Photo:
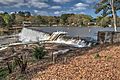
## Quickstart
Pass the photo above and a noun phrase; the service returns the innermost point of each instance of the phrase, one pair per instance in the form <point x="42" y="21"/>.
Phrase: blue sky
<point x="49" y="7"/>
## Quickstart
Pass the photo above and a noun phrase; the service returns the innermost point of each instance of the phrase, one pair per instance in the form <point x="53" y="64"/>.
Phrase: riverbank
<point x="99" y="62"/>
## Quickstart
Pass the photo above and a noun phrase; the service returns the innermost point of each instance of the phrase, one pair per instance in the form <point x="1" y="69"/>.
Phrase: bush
<point x="39" y="52"/>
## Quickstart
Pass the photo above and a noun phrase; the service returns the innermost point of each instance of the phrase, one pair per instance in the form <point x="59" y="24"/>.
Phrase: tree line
<point x="8" y="20"/>
<point x="80" y="20"/>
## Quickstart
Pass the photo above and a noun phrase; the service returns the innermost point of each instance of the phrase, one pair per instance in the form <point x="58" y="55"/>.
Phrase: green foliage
<point x="103" y="21"/>
<point x="2" y="22"/>
<point x="7" y="19"/>
<point x="64" y="18"/>
<point x="105" y="7"/>
<point x="39" y="52"/>
<point x="13" y="17"/>
<point x="78" y="20"/>
<point x="37" y="20"/>
<point x="3" y="73"/>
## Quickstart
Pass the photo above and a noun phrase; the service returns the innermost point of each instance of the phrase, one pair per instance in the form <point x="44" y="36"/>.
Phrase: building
<point x="26" y="23"/>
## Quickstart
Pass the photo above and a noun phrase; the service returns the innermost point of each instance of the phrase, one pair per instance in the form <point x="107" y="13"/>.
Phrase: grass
<point x="39" y="53"/>
<point x="3" y="73"/>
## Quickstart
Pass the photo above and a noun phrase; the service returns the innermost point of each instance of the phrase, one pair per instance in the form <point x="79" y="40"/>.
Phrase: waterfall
<point x="73" y="41"/>
<point x="28" y="35"/>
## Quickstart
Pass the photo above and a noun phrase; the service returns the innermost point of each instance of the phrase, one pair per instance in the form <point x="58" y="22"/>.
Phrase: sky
<point x="49" y="7"/>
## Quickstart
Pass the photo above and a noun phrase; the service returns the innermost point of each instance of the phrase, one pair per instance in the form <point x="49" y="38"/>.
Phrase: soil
<point x="100" y="62"/>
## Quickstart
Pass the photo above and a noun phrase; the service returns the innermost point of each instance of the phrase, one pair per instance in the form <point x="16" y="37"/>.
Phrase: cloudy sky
<point x="49" y="7"/>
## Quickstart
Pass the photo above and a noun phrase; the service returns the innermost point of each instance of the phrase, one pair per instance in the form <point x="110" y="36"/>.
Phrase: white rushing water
<point x="29" y="35"/>
<point x="88" y="36"/>
<point x="73" y="42"/>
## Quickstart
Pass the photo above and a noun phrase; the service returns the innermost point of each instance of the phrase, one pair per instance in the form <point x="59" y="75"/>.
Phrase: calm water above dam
<point x="75" y="31"/>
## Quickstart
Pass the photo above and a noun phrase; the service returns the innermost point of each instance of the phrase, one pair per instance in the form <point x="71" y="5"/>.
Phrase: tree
<point x="64" y="18"/>
<point x="56" y="20"/>
<point x="109" y="7"/>
<point x="7" y="19"/>
<point x="103" y="21"/>
<point x="13" y="17"/>
<point x="114" y="14"/>
<point x="79" y="20"/>
<point x="19" y="19"/>
<point x="27" y="14"/>
<point x="2" y="22"/>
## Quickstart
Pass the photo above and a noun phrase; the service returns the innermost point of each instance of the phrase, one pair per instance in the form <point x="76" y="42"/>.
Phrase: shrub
<point x="39" y="52"/>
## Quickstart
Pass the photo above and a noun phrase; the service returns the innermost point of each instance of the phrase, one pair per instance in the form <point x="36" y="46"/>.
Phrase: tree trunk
<point x="114" y="15"/>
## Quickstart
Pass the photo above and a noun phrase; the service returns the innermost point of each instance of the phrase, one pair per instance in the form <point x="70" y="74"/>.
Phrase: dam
<point x="76" y="36"/>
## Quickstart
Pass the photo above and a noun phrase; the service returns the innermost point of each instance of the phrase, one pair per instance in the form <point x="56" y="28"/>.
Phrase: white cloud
<point x="41" y="12"/>
<point x="55" y="7"/>
<point x="38" y="4"/>
<point x="20" y="4"/>
<point x="29" y="3"/>
<point x="61" y="1"/>
<point x="82" y="13"/>
<point x="12" y="12"/>
<point x="57" y="12"/>
<point x="80" y="6"/>
<point x="90" y="1"/>
<point x="1" y="11"/>
<point x="11" y="1"/>
<point x="36" y="11"/>
<point x="76" y="7"/>
<point x="63" y="12"/>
